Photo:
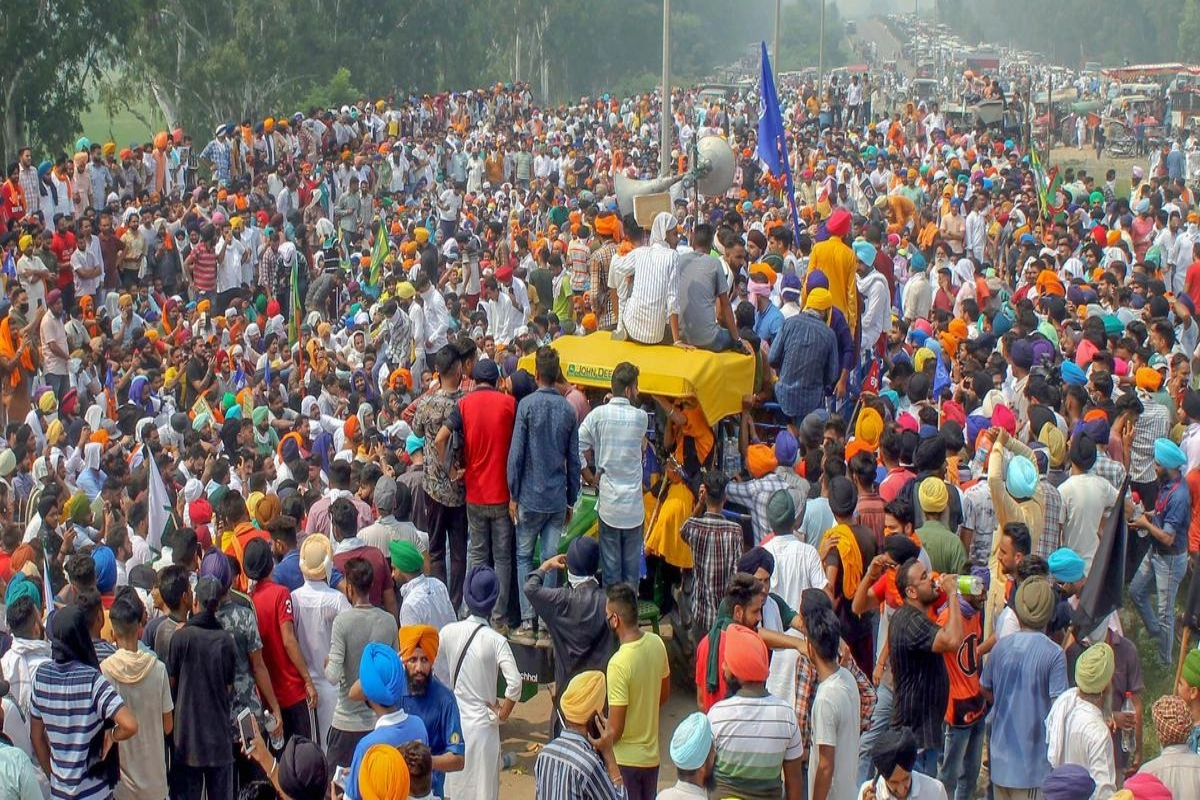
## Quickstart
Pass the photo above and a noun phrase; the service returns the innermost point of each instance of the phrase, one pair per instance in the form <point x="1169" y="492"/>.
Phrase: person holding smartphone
<point x="580" y="764"/>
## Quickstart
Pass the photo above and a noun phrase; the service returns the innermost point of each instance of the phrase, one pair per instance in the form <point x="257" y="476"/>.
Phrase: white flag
<point x="160" y="516"/>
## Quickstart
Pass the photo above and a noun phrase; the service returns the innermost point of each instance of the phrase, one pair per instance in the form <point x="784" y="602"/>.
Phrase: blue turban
<point x="1068" y="782"/>
<point x="1072" y="374"/>
<point x="106" y="569"/>
<point x="1066" y="566"/>
<point x="786" y="448"/>
<point x="1021" y="478"/>
<point x="216" y="565"/>
<point x="865" y="252"/>
<point x="1168" y="455"/>
<point x="20" y="586"/>
<point x="917" y="263"/>
<point x="1001" y="324"/>
<point x="480" y="590"/>
<point x="413" y="443"/>
<point x="381" y="675"/>
<point x="234" y="413"/>
<point x="692" y="742"/>
<point x="583" y="557"/>
<point x="918" y="336"/>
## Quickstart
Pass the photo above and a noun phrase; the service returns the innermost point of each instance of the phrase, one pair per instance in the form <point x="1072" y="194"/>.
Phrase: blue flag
<point x="772" y="142"/>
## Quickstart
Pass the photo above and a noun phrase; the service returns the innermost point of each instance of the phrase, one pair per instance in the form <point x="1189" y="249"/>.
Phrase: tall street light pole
<point x="667" y="122"/>
<point x="821" y="53"/>
<point x="775" y="52"/>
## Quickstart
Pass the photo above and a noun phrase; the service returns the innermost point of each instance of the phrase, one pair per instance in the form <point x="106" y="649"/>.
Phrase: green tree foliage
<point x="1073" y="31"/>
<point x="232" y="60"/>
<point x="49" y="51"/>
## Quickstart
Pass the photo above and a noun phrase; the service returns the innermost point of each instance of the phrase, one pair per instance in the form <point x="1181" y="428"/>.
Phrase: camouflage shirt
<point x="432" y="412"/>
<point x="237" y="616"/>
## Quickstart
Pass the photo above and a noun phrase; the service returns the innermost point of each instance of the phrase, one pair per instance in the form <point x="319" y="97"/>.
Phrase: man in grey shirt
<point x="353" y="630"/>
<point x="704" y="297"/>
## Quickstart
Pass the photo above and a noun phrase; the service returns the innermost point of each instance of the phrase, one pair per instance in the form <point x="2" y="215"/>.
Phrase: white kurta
<point x="314" y="607"/>
<point x="474" y="688"/>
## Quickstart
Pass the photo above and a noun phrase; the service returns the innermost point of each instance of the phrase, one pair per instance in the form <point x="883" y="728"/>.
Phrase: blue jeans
<point x="620" y="555"/>
<point x="963" y="753"/>
<point x="722" y="342"/>
<point x="881" y="719"/>
<point x="531" y="526"/>
<point x="927" y="761"/>
<point x="1166" y="573"/>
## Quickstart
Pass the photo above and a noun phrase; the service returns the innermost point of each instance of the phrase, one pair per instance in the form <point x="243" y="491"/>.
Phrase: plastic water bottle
<point x="274" y="731"/>
<point x="970" y="584"/>
<point x="1128" y="740"/>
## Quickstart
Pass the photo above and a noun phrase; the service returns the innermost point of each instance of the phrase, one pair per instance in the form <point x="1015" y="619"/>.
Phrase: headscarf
<point x="382" y="774"/>
<point x="584" y="697"/>
<point x="692" y="742"/>
<point x="841" y="538"/>
<point x="664" y="223"/>
<point x="481" y="590"/>
<point x="746" y="654"/>
<point x="1172" y="719"/>
<point x="70" y="639"/>
<point x="422" y="636"/>
<point x="381" y="675"/>
<point x="1094" y="668"/>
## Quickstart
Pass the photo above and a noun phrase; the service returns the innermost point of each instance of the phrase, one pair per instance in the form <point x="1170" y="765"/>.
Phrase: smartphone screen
<point x="246" y="729"/>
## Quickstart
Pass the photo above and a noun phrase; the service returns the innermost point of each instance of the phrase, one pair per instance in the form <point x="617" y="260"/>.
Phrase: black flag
<point x="1102" y="592"/>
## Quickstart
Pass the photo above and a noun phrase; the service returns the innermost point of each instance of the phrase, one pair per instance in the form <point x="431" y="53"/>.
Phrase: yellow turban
<point x="422" y="235"/>
<point x="54" y="433"/>
<point x="933" y="495"/>
<point x="382" y="773"/>
<point x="1094" y="669"/>
<point x="584" y="697"/>
<point x="869" y="427"/>
<point x="422" y="636"/>
<point x="78" y="509"/>
<point x="252" y="502"/>
<point x="25" y="242"/>
<point x="47" y="403"/>
<point x="108" y="148"/>
<point x="1055" y="442"/>
<point x="125" y="301"/>
<point x="203" y="306"/>
<point x="267" y="510"/>
<point x="819" y="299"/>
<point x="921" y="357"/>
<point x="315" y="556"/>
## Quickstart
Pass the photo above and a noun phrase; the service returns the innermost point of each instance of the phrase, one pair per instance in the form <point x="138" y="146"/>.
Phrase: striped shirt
<point x="1153" y="423"/>
<point x="204" y="268"/>
<point x="805" y="355"/>
<point x="569" y="768"/>
<point x="615" y="433"/>
<point x="598" y="268"/>
<point x="73" y="700"/>
<point x="716" y="546"/>
<point x="654" y="297"/>
<point x="754" y="736"/>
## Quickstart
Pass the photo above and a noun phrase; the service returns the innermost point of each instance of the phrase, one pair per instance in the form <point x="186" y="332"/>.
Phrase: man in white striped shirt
<point x="654" y="299"/>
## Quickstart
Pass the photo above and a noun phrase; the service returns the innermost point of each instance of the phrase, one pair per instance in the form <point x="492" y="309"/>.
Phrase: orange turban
<point x="1049" y="283"/>
<point x="608" y="225"/>
<point x="760" y="460"/>
<point x="1147" y="379"/>
<point x="382" y="773"/>
<point x="746" y="654"/>
<point x="869" y="428"/>
<point x="422" y="636"/>
<point x="268" y="509"/>
<point x="1094" y="414"/>
<point x="21" y="556"/>
<point x="958" y="327"/>
<point x="100" y="437"/>
<point x="351" y="427"/>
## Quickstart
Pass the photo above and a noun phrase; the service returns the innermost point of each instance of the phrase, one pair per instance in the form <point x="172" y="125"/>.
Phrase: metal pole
<point x="821" y="53"/>
<point x="775" y="52"/>
<point x="667" y="122"/>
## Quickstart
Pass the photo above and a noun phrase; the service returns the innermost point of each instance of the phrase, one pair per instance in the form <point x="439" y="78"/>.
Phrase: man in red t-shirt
<point x="1191" y="280"/>
<point x="484" y="420"/>
<point x="281" y="652"/>
<point x="63" y="247"/>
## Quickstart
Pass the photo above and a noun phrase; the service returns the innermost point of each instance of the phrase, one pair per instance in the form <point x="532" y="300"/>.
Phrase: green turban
<point x="406" y="557"/>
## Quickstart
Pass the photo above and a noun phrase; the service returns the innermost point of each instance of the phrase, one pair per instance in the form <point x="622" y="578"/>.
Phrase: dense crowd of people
<point x="293" y="467"/>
